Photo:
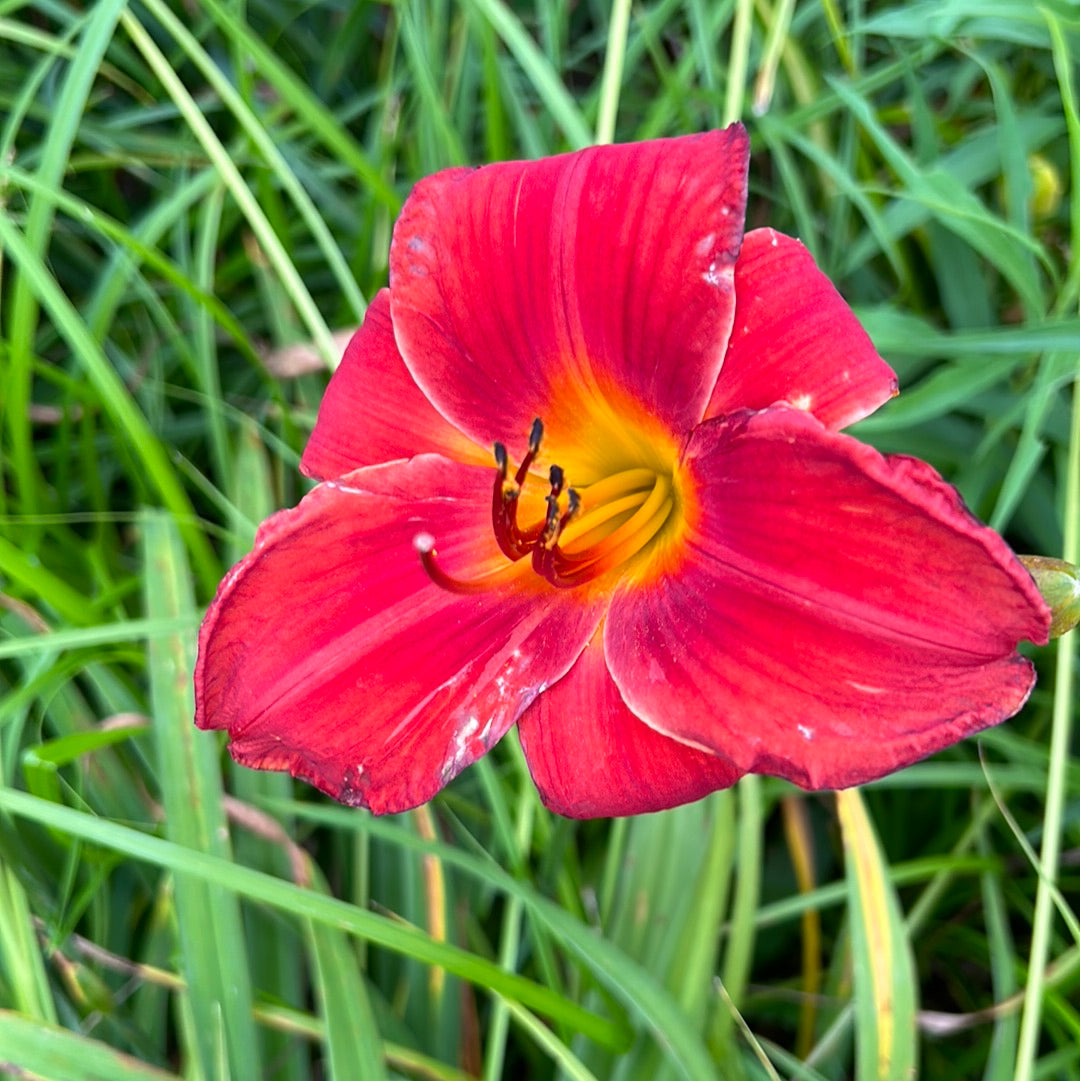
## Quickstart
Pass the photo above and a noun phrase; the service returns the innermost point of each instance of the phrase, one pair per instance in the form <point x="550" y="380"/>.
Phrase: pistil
<point x="584" y="534"/>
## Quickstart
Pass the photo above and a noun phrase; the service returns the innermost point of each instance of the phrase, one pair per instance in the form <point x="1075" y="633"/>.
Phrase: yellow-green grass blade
<point x="320" y="121"/>
<point x="350" y="1034"/>
<point x="40" y="1050"/>
<point x="375" y="929"/>
<point x="21" y="965"/>
<point x="1060" y="737"/>
<point x="58" y="141"/>
<point x="264" y="141"/>
<point x="115" y="398"/>
<point x="213" y="953"/>
<point x="886" y="1035"/>
<point x="269" y="241"/>
<point x="537" y="68"/>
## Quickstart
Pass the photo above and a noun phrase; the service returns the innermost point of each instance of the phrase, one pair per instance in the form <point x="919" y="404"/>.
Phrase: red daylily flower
<point x="685" y="573"/>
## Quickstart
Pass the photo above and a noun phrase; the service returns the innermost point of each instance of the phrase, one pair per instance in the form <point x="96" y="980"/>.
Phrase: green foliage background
<point x="186" y="189"/>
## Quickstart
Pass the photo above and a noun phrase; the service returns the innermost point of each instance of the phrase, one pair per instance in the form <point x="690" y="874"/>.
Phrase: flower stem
<point x="1028" y="1044"/>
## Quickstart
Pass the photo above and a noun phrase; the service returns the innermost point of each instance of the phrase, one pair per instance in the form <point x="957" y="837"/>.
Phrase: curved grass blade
<point x="287" y="897"/>
<point x="885" y="983"/>
<point x="45" y="1051"/>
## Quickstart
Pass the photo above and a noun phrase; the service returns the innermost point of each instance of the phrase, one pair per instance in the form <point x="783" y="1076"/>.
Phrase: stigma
<point x="584" y="534"/>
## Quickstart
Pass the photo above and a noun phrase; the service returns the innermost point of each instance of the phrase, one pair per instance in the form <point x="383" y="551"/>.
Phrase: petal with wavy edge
<point x="835" y="616"/>
<point x="527" y="289"/>
<point x="329" y="653"/>
<point x="591" y="757"/>
<point x="374" y="412"/>
<point x="795" y="340"/>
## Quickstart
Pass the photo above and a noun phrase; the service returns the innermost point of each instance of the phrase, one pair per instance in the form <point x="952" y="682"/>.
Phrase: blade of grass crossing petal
<point x="115" y="398"/>
<point x="376" y="929"/>
<point x="44" y="1051"/>
<point x="64" y="119"/>
<point x="884" y="974"/>
<point x="350" y="1035"/>
<point x="213" y="955"/>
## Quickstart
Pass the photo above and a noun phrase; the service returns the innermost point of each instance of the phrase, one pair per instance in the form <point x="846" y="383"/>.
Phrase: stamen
<point x="514" y="542"/>
<point x="536" y="433"/>
<point x="424" y="543"/>
<point x="658" y="497"/>
<point x="589" y="533"/>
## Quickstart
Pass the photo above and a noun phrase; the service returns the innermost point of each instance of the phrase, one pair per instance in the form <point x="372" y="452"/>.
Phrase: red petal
<point x="519" y="286"/>
<point x="795" y="340"/>
<point x="373" y="411"/>
<point x="836" y="615"/>
<point x="591" y="757"/>
<point x="328" y="652"/>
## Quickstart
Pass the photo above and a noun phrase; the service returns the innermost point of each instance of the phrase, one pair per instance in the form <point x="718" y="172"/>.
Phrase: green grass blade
<point x="885" y="984"/>
<point x="329" y="911"/>
<point x="116" y="400"/>
<point x="350" y="1034"/>
<point x="550" y="89"/>
<point x="45" y="1051"/>
<point x="213" y="958"/>
<point x="100" y="24"/>
<point x="271" y="244"/>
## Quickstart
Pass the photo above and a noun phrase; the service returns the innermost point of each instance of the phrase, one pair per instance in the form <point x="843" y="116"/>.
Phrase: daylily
<point x="581" y="471"/>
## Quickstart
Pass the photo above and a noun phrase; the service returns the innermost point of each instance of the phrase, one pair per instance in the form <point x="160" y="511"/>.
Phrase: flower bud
<point x="1059" y="584"/>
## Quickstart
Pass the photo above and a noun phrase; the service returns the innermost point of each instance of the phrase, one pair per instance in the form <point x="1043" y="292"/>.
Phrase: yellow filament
<point x="618" y="484"/>
<point x="634" y="533"/>
<point x="645" y="533"/>
<point x="579" y="533"/>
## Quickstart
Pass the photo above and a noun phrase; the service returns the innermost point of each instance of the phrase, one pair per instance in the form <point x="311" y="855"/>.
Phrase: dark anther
<point x="557" y="479"/>
<point x="573" y="503"/>
<point x="501" y="460"/>
<point x="550" y="533"/>
<point x="536" y="433"/>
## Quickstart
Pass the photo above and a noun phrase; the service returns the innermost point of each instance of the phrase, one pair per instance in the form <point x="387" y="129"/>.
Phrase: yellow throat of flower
<point x="611" y="506"/>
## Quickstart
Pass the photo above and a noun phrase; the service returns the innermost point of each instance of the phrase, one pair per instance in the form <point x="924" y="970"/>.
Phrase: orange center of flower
<point x="620" y="520"/>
